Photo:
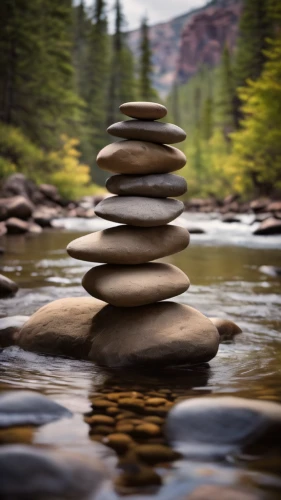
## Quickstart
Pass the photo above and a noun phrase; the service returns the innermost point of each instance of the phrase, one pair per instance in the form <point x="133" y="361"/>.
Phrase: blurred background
<point x="66" y="67"/>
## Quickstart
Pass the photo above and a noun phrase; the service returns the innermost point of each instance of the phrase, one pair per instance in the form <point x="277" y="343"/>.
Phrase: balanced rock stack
<point x="136" y="327"/>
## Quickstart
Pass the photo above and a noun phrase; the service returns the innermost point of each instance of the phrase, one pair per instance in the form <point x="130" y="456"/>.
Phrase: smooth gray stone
<point x="222" y="425"/>
<point x="29" y="472"/>
<point x="161" y="133"/>
<point x="154" y="186"/>
<point x="143" y="110"/>
<point x="129" y="245"/>
<point x="8" y="288"/>
<point x="139" y="211"/>
<point x="29" y="408"/>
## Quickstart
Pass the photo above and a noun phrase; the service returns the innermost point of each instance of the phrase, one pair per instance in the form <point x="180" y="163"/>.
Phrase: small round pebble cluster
<point x="131" y="423"/>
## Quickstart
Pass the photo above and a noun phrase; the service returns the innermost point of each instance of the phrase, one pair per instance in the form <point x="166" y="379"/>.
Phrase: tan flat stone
<point x="143" y="110"/>
<point x="141" y="130"/>
<point x="154" y="186"/>
<point x="140" y="157"/>
<point x="160" y="334"/>
<point x="139" y="210"/>
<point x="130" y="286"/>
<point x="129" y="245"/>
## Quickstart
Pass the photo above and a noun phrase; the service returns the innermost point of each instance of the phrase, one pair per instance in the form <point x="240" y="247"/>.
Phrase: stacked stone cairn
<point x="136" y="327"/>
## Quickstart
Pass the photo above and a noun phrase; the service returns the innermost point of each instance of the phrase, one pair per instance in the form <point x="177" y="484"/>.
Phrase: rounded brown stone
<point x="96" y="419"/>
<point x="154" y="186"/>
<point x="139" y="211"/>
<point x="129" y="245"/>
<point x="140" y="130"/>
<point x="147" y="429"/>
<point x="62" y="327"/>
<point x="161" y="334"/>
<point x="119" y="442"/>
<point x="156" y="453"/>
<point x="130" y="286"/>
<point x="140" y="158"/>
<point x="226" y="328"/>
<point x="143" y="110"/>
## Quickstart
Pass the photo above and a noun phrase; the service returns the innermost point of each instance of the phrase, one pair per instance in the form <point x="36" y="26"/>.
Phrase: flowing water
<point x="223" y="267"/>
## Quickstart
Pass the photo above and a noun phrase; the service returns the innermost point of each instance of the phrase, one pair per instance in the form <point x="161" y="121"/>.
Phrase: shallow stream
<point x="223" y="267"/>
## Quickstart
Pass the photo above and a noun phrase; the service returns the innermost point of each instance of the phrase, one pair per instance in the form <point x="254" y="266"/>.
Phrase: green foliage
<point x="256" y="156"/>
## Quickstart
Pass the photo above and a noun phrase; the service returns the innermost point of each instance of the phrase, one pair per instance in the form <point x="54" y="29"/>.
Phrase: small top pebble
<point x="143" y="110"/>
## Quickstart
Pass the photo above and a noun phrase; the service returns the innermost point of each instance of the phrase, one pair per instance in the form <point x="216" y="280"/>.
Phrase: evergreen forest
<point x="63" y="77"/>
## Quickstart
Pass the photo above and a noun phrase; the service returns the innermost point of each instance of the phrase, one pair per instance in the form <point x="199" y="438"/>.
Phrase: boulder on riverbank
<point x="269" y="226"/>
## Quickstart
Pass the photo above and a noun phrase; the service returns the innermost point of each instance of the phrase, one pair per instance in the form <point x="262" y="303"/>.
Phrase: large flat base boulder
<point x="63" y="327"/>
<point x="161" y="334"/>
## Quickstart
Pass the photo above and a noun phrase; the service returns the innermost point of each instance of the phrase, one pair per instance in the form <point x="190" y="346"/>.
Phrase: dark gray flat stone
<point x="155" y="186"/>
<point x="139" y="211"/>
<point x="162" y="133"/>
<point x="143" y="110"/>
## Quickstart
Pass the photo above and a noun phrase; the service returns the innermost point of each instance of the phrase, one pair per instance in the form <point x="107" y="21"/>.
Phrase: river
<point x="223" y="267"/>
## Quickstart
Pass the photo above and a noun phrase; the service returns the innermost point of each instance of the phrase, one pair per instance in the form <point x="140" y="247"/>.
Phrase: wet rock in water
<point x="226" y="328"/>
<point x="16" y="226"/>
<point x="3" y="229"/>
<point x="33" y="473"/>
<point x="143" y="110"/>
<point x="130" y="286"/>
<point x="221" y="425"/>
<point x="161" y="133"/>
<point x="230" y="218"/>
<point x="156" y="453"/>
<point x="29" y="408"/>
<point x="17" y="206"/>
<point x="8" y="288"/>
<point x="129" y="245"/>
<point x="218" y="492"/>
<point x="140" y="158"/>
<point x="273" y="271"/>
<point x="196" y="230"/>
<point x="137" y="475"/>
<point x="50" y="192"/>
<point x="139" y="211"/>
<point x="259" y="205"/>
<point x="274" y="206"/>
<point x="34" y="228"/>
<point x="155" y="186"/>
<point x="9" y="329"/>
<point x="44" y="216"/>
<point x="158" y="334"/>
<point x="268" y="227"/>
<point x="62" y="327"/>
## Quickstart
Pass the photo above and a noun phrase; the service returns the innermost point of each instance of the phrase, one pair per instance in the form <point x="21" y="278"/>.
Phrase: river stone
<point x="140" y="130"/>
<point x="138" y="157"/>
<point x="226" y="328"/>
<point x="161" y="334"/>
<point x="143" y="110"/>
<point x="129" y="245"/>
<point x="221" y="425"/>
<point x="139" y="211"/>
<point x="8" y="288"/>
<point x="155" y="186"/>
<point x="269" y="226"/>
<point x="33" y="473"/>
<point x="61" y="328"/>
<point x="9" y="328"/>
<point x="29" y="408"/>
<point x="129" y="286"/>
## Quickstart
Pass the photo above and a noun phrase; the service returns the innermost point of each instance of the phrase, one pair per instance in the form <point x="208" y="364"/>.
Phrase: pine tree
<point x="254" y="29"/>
<point x="81" y="27"/>
<point x="122" y="81"/>
<point x="146" y="91"/>
<point x="36" y="82"/>
<point x="97" y="70"/>
<point x="226" y="110"/>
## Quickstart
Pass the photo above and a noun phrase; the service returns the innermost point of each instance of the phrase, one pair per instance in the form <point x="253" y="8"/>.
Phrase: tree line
<point x="62" y="79"/>
<point x="232" y="114"/>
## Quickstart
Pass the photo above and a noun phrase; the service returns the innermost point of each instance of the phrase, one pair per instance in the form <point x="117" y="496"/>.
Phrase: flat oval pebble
<point x="141" y="130"/>
<point x="139" y="211"/>
<point x="161" y="334"/>
<point x="143" y="110"/>
<point x="140" y="157"/>
<point x="130" y="286"/>
<point x="155" y="186"/>
<point x="129" y="245"/>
